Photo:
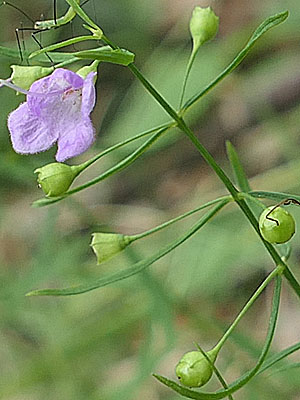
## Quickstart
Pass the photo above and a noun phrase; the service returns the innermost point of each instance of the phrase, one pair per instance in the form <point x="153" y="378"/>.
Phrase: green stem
<point x="67" y="62"/>
<point x="118" y="167"/>
<point x="150" y="88"/>
<point x="244" y="195"/>
<point x="242" y="204"/>
<point x="92" y="160"/>
<point x="211" y="161"/>
<point x="216" y="370"/>
<point x="278" y="270"/>
<point x="79" y="11"/>
<point x="122" y="164"/>
<point x="154" y="92"/>
<point x="180" y="217"/>
<point x="65" y="43"/>
<point x="134" y="269"/>
<point x="186" y="76"/>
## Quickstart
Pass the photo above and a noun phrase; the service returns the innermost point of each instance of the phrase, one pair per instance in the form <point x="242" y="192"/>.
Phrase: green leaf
<point x="278" y="357"/>
<point x="286" y="368"/>
<point x="11" y="53"/>
<point x="263" y="28"/>
<point x="239" y="383"/>
<point x="103" y="53"/>
<point x="116" y="168"/>
<point x="15" y="55"/>
<point x="107" y="54"/>
<point x="134" y="269"/>
<point x="276" y="196"/>
<point x="237" y="168"/>
<point x="59" y="45"/>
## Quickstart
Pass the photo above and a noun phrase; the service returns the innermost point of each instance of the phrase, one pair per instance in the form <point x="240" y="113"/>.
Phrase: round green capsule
<point x="277" y="226"/>
<point x="194" y="370"/>
<point x="56" y="178"/>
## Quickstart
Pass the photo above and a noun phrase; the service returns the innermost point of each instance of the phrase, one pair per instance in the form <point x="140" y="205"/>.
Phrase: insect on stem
<point x="285" y="202"/>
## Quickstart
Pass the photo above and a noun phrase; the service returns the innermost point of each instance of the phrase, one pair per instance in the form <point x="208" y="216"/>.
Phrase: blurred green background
<point x="104" y="345"/>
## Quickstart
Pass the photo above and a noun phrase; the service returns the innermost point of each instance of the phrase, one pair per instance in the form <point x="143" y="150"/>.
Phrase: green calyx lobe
<point x="56" y="178"/>
<point x="25" y="76"/>
<point x="276" y="232"/>
<point x="106" y="245"/>
<point x="204" y="25"/>
<point x="194" y="370"/>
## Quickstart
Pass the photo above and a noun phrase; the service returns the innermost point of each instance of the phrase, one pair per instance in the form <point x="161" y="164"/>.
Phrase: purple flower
<point x="58" y="110"/>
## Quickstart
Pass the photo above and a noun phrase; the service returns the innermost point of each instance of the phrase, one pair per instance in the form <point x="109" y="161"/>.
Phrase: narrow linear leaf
<point x="12" y="53"/>
<point x="276" y="196"/>
<point x="59" y="45"/>
<point x="107" y="54"/>
<point x="134" y="269"/>
<point x="237" y="168"/>
<point x="239" y="383"/>
<point x="278" y="357"/>
<point x="263" y="28"/>
<point x="285" y="368"/>
<point x="15" y="55"/>
<point x="116" y="168"/>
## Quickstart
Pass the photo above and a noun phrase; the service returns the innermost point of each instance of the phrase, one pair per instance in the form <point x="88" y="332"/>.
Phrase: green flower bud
<point x="106" y="245"/>
<point x="278" y="227"/>
<point x="24" y="77"/>
<point x="194" y="370"/>
<point x="84" y="71"/>
<point x="56" y="178"/>
<point x="203" y="26"/>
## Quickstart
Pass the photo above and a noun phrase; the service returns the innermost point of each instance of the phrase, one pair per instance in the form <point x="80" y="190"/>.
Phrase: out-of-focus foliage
<point x="105" y="344"/>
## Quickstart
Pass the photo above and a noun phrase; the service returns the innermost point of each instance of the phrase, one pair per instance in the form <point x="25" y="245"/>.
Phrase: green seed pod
<point x="56" y="178"/>
<point x="194" y="370"/>
<point x="24" y="77"/>
<point x="106" y="245"/>
<point x="278" y="226"/>
<point x="204" y="25"/>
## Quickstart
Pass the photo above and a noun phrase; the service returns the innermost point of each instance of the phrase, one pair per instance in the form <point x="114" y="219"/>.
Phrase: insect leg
<point x="19" y="44"/>
<point x="7" y="3"/>
<point x="39" y="43"/>
<point x="55" y="11"/>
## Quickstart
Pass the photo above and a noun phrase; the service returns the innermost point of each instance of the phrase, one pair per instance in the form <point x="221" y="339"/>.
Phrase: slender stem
<point x="63" y="44"/>
<point x="154" y="92"/>
<point x="134" y="269"/>
<point x="244" y="195"/>
<point x="276" y="196"/>
<point x="180" y="217"/>
<point x="243" y="205"/>
<point x="92" y="160"/>
<point x="67" y="62"/>
<point x="150" y="88"/>
<point x="121" y="165"/>
<point x="216" y="370"/>
<point x="186" y="76"/>
<point x="211" y="161"/>
<point x="82" y="14"/>
<point x="278" y="270"/>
